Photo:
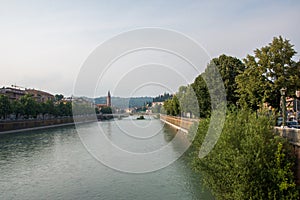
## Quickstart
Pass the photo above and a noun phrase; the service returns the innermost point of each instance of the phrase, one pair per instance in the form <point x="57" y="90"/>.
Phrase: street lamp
<point x="283" y="105"/>
<point x="297" y="96"/>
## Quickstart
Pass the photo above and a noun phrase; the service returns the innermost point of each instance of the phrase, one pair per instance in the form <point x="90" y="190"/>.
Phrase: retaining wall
<point x="183" y="123"/>
<point x="24" y="124"/>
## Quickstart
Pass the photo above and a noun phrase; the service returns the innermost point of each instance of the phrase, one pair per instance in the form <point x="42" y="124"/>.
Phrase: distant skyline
<point x="43" y="44"/>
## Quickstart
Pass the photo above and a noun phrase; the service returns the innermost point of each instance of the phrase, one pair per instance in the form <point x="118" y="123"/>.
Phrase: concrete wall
<point x="184" y="123"/>
<point x="15" y="125"/>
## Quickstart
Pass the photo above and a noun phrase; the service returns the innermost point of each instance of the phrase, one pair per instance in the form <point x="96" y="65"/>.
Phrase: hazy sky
<point x="43" y="44"/>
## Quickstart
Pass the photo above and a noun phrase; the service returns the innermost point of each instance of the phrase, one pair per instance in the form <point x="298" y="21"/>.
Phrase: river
<point x="54" y="164"/>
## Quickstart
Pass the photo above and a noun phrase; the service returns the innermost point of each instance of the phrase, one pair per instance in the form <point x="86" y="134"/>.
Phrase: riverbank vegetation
<point x="248" y="161"/>
<point x="27" y="107"/>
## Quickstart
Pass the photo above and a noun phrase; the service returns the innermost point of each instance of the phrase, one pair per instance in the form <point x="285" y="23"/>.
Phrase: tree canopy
<point x="28" y="107"/>
<point x="5" y="106"/>
<point x="221" y="75"/>
<point x="270" y="69"/>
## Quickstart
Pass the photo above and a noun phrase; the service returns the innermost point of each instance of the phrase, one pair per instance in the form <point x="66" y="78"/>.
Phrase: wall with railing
<point x="184" y="123"/>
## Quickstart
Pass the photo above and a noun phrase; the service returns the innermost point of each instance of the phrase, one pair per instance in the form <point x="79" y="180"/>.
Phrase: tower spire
<point x="108" y="99"/>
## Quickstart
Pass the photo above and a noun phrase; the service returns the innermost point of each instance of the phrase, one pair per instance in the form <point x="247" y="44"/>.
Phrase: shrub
<point x="248" y="161"/>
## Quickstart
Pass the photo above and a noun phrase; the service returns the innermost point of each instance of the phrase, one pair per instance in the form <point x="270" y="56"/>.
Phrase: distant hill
<point x="121" y="102"/>
<point x="163" y="97"/>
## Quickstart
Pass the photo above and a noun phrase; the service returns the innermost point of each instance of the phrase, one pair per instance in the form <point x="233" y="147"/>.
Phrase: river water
<point x="54" y="164"/>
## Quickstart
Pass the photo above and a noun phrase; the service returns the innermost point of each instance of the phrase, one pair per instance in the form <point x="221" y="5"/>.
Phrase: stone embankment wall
<point x="179" y="122"/>
<point x="8" y="126"/>
<point x="24" y="124"/>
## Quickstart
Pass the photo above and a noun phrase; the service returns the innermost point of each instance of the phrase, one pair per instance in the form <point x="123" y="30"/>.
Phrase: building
<point x="157" y="104"/>
<point x="40" y="96"/>
<point x="66" y="100"/>
<point x="12" y="93"/>
<point x="15" y="93"/>
<point x="108" y="102"/>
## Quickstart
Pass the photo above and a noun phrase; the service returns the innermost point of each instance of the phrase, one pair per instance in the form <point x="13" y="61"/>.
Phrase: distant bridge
<point x="122" y="115"/>
<point x="144" y="113"/>
<point x="110" y="116"/>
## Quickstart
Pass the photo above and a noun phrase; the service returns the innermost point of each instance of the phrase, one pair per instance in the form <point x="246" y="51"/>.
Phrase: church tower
<point x="108" y="99"/>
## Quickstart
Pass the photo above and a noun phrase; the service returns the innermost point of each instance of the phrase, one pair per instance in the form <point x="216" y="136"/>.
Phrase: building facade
<point x="40" y="96"/>
<point x="12" y="93"/>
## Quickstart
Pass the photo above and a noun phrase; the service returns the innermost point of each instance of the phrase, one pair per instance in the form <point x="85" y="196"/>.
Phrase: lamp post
<point x="283" y="105"/>
<point x="297" y="96"/>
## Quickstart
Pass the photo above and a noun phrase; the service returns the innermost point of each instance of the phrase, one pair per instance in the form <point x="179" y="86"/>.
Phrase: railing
<point x="292" y="134"/>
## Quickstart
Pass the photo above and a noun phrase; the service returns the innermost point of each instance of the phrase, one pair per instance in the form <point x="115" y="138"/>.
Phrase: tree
<point x="229" y="68"/>
<point x="29" y="105"/>
<point x="106" y="110"/>
<point x="61" y="110"/>
<point x="218" y="78"/>
<point x="176" y="106"/>
<point x="50" y="108"/>
<point x="68" y="106"/>
<point x="189" y="102"/>
<point x="59" y="97"/>
<point x="203" y="97"/>
<point x="181" y="91"/>
<point x="168" y="106"/>
<point x="17" y="108"/>
<point x="270" y="69"/>
<point x="253" y="87"/>
<point x="5" y="106"/>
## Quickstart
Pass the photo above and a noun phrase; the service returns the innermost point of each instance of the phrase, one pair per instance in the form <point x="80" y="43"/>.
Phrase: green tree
<point x="17" y="108"/>
<point x="168" y="107"/>
<point x="106" y="110"/>
<point x="189" y="102"/>
<point x="43" y="109"/>
<point x="64" y="109"/>
<point x="50" y="107"/>
<point x="58" y="97"/>
<point x="218" y="78"/>
<point x="229" y="68"/>
<point x="68" y="109"/>
<point x="203" y="97"/>
<point x="181" y="91"/>
<point x="29" y="105"/>
<point x="61" y="109"/>
<point x="176" y="106"/>
<point x="270" y="69"/>
<point x="5" y="106"/>
<point x="253" y="86"/>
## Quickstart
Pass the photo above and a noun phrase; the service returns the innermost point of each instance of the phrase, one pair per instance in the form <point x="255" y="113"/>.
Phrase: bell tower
<point x="108" y="99"/>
